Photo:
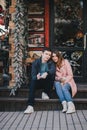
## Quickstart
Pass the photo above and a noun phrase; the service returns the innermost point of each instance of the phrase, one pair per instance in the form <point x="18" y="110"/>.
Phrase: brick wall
<point x="11" y="42"/>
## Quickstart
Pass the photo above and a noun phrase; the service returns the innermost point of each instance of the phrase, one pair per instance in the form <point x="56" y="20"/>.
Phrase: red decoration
<point x="47" y="23"/>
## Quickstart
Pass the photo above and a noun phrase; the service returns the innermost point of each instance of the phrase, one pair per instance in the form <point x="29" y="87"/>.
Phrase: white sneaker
<point x="29" y="110"/>
<point x="64" y="104"/>
<point x="44" y="96"/>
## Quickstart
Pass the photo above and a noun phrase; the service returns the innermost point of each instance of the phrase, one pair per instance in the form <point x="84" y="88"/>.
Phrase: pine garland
<point x="20" y="42"/>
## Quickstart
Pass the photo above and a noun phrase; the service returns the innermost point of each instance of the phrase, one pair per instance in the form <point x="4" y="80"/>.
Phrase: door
<point x="68" y="33"/>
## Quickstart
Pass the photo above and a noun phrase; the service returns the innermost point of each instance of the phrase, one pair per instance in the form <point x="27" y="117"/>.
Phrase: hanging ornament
<point x="20" y="46"/>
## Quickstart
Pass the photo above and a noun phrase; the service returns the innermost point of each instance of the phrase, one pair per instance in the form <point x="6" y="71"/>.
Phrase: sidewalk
<point x="43" y="120"/>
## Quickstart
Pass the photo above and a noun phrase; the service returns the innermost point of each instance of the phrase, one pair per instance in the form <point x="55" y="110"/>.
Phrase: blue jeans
<point x="63" y="92"/>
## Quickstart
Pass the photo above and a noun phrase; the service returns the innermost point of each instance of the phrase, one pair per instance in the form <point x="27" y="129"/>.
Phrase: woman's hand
<point x="63" y="79"/>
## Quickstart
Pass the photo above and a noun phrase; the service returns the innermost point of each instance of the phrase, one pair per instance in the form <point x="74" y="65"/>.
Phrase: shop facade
<point x="35" y="24"/>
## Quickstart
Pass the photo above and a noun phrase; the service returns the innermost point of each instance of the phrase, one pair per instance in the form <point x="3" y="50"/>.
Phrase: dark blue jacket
<point x="36" y="69"/>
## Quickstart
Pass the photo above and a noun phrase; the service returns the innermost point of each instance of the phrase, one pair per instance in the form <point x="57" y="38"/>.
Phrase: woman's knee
<point x="66" y="88"/>
<point x="57" y="84"/>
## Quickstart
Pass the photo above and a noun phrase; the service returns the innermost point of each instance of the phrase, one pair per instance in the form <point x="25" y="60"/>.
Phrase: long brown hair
<point x="60" y="58"/>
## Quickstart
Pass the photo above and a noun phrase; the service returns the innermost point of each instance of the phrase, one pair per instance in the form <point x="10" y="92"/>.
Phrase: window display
<point x="38" y="24"/>
<point x="68" y="21"/>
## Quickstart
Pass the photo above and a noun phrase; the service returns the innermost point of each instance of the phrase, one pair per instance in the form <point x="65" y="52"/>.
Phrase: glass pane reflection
<point x="68" y="23"/>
